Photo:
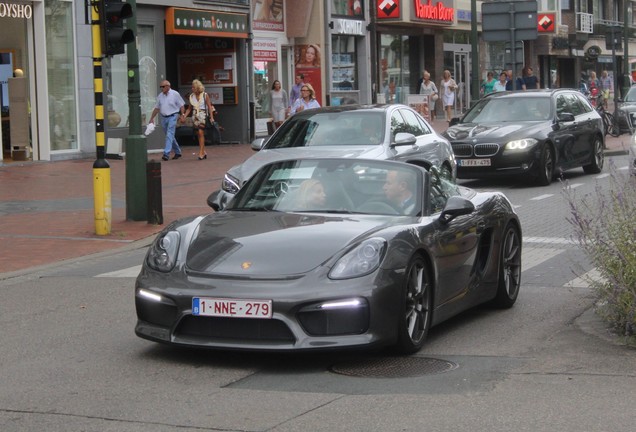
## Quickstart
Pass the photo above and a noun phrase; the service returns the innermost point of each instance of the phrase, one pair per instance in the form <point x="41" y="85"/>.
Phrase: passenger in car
<point x="311" y="195"/>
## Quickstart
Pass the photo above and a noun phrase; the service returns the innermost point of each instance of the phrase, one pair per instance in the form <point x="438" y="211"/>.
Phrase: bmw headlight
<point x="162" y="255"/>
<point x="230" y="184"/>
<point x="361" y="260"/>
<point x="522" y="144"/>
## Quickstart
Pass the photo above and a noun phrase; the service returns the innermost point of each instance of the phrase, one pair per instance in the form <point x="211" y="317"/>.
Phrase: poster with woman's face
<point x="268" y="15"/>
<point x="350" y="8"/>
<point x="307" y="56"/>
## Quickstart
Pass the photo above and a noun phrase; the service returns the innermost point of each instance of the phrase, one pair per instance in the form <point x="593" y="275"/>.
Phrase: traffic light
<point x="112" y="14"/>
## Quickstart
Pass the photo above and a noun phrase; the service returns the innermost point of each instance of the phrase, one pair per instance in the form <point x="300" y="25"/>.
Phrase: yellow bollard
<point x="102" y="198"/>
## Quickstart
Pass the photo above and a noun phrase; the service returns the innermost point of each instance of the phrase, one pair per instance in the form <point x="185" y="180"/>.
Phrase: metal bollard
<point x="153" y="181"/>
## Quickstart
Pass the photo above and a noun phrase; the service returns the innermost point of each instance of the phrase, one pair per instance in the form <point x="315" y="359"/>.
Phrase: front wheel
<point x="417" y="297"/>
<point x="509" y="267"/>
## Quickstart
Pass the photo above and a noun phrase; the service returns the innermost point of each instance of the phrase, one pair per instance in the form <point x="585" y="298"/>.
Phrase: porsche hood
<point x="256" y="244"/>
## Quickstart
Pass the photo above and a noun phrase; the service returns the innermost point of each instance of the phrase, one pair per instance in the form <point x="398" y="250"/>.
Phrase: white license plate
<point x="234" y="308"/>
<point x="473" y="162"/>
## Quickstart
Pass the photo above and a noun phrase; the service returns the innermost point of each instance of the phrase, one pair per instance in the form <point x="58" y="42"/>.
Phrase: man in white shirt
<point x="170" y="107"/>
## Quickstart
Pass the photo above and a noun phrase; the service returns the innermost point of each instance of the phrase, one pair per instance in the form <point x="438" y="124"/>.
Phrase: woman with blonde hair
<point x="307" y="99"/>
<point x="448" y="86"/>
<point x="201" y="108"/>
<point x="311" y="195"/>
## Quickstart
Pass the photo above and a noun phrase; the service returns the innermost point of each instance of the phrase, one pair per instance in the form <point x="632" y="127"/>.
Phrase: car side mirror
<point x="566" y="117"/>
<point x="258" y="143"/>
<point x="404" y="138"/>
<point x="456" y="206"/>
<point x="453" y="122"/>
<point x="213" y="200"/>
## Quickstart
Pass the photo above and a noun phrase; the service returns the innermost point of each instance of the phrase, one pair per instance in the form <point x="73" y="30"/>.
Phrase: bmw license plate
<point x="233" y="308"/>
<point x="473" y="162"/>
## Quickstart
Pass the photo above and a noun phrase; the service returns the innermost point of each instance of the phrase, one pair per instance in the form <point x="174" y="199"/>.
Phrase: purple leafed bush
<point x="605" y="226"/>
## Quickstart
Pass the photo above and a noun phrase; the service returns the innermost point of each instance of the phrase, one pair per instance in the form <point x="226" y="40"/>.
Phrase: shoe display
<point x="176" y="156"/>
<point x="165" y="157"/>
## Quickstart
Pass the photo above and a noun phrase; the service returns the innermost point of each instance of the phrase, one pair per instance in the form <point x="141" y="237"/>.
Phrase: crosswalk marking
<point x="582" y="281"/>
<point x="131" y="272"/>
<point x="541" y="197"/>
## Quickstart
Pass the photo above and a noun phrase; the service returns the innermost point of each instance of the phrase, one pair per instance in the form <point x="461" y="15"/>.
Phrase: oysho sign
<point x="12" y="10"/>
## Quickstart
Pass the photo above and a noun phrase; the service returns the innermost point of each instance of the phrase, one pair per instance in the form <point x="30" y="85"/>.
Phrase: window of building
<point x="60" y="63"/>
<point x="343" y="62"/>
<point x="394" y="68"/>
<point x="348" y="8"/>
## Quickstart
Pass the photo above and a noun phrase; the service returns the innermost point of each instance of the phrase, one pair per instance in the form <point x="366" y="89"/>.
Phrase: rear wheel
<point x="546" y="167"/>
<point x="509" y="267"/>
<point x="415" y="320"/>
<point x="598" y="158"/>
<point x="610" y="125"/>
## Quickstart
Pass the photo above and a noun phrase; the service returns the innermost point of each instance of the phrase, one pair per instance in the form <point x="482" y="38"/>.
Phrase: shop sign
<point x="426" y="10"/>
<point x="12" y="10"/>
<point x="593" y="51"/>
<point x="265" y="50"/>
<point x="349" y="27"/>
<point x="196" y="22"/>
<point x="546" y="22"/>
<point x="388" y="9"/>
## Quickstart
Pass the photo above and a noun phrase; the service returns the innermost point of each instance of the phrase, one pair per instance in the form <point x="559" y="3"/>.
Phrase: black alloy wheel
<point x="509" y="268"/>
<point x="546" y="166"/>
<point x="598" y="158"/>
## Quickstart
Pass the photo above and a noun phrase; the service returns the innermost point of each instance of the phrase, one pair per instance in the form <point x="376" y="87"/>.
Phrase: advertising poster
<point x="268" y="15"/>
<point x="420" y="104"/>
<point x="307" y="59"/>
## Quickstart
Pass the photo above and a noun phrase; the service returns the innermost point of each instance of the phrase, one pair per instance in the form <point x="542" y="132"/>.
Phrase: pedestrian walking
<point x="448" y="86"/>
<point x="502" y="83"/>
<point x="606" y="87"/>
<point x="202" y="110"/>
<point x="428" y="88"/>
<point x="294" y="93"/>
<point x="169" y="105"/>
<point x="307" y="99"/>
<point x="528" y="80"/>
<point x="488" y="84"/>
<point x="278" y="104"/>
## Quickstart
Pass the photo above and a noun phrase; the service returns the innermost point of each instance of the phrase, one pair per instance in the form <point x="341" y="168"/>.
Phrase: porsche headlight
<point x="230" y="184"/>
<point x="162" y="255"/>
<point x="361" y="260"/>
<point x="522" y="144"/>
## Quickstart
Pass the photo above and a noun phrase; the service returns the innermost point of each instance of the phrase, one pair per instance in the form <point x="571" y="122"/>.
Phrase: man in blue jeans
<point x="170" y="107"/>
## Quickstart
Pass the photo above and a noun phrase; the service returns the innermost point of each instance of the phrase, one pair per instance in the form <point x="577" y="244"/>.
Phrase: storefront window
<point x="343" y="59"/>
<point x="394" y="68"/>
<point x="264" y="75"/>
<point x="349" y="8"/>
<point x="61" y="74"/>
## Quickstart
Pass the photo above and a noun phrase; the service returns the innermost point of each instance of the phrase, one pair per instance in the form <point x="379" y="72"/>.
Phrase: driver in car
<point x="398" y="188"/>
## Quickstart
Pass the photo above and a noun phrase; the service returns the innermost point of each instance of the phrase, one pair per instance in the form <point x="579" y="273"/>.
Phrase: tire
<point x="598" y="158"/>
<point x="509" y="267"/>
<point x="546" y="166"/>
<point x="417" y="298"/>
<point x="612" y="128"/>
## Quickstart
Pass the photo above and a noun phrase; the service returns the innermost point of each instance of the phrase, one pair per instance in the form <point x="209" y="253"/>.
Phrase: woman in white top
<point x="429" y="89"/>
<point x="201" y="108"/>
<point x="448" y="86"/>
<point x="307" y="99"/>
<point x="278" y="104"/>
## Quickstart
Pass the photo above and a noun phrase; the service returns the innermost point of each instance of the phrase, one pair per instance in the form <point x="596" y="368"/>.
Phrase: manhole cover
<point x="393" y="367"/>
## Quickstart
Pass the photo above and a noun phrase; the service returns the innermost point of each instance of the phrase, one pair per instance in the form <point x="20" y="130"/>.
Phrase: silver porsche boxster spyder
<point x="319" y="254"/>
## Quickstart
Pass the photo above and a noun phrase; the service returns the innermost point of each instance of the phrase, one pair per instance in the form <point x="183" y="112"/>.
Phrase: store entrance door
<point x="461" y="63"/>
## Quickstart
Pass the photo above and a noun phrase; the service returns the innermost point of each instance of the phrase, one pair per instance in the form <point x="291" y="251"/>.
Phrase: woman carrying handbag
<point x="201" y="109"/>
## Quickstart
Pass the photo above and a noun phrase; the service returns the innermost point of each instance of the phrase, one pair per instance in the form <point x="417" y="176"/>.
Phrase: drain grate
<point x="393" y="367"/>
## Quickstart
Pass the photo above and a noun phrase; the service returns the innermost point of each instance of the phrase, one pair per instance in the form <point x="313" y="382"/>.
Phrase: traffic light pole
<point x="136" y="147"/>
<point x="101" y="168"/>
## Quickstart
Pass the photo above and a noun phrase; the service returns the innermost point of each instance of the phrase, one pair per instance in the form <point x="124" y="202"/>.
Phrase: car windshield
<point x="510" y="109"/>
<point x="344" y="186"/>
<point x="330" y="129"/>
<point x="631" y="95"/>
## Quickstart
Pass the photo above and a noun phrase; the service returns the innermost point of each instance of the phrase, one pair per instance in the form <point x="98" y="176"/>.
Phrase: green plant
<point x="605" y="227"/>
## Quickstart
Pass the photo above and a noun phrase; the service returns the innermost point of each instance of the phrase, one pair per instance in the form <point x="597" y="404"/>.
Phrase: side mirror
<point x="456" y="206"/>
<point x="566" y="117"/>
<point x="403" y="138"/>
<point x="214" y="200"/>
<point x="258" y="143"/>
<point x="453" y="122"/>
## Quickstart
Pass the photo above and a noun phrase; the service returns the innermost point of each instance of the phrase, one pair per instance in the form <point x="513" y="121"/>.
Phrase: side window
<point x="441" y="189"/>
<point x="412" y="123"/>
<point x="584" y="103"/>
<point x="397" y="124"/>
<point x="575" y="105"/>
<point x="561" y="104"/>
